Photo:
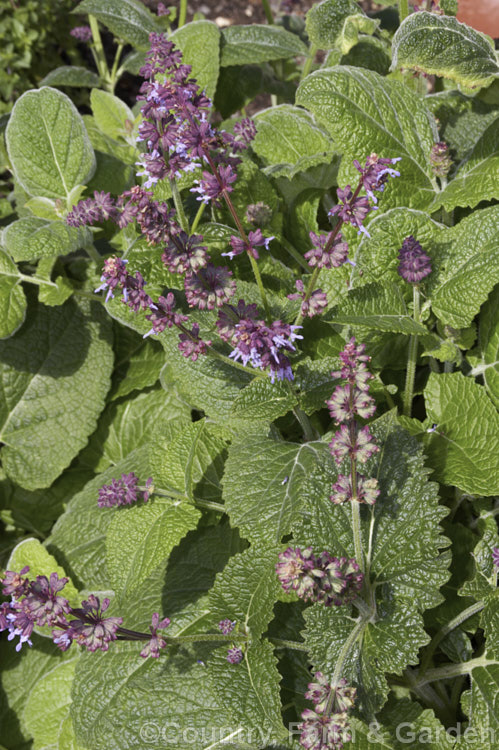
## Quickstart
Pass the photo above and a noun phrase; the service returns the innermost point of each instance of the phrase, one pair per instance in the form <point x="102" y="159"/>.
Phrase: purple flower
<point x="163" y="315"/>
<point x="332" y="257"/>
<point x="258" y="214"/>
<point x="314" y="305"/>
<point x="15" y="584"/>
<point x="246" y="130"/>
<point x="495" y="556"/>
<point x="323" y="732"/>
<point x="184" y="253"/>
<point x="359" y="445"/>
<point x="354" y="369"/>
<point x="191" y="345"/>
<point x="20" y="623"/>
<point x="366" y="490"/>
<point x="318" y="692"/>
<point x="43" y="602"/>
<point x="295" y="571"/>
<point x="156" y="642"/>
<point x="114" y="274"/>
<point x="163" y="10"/>
<point x="414" y="263"/>
<point x="124" y="491"/>
<point x="226" y="626"/>
<point x="440" y="160"/>
<point x="229" y="316"/>
<point x="340" y="582"/>
<point x="375" y="173"/>
<point x="82" y="33"/>
<point x="347" y="401"/>
<point x="352" y="210"/>
<point x="255" y="239"/>
<point x="211" y="186"/>
<point x="259" y="345"/>
<point x="234" y="655"/>
<point x="211" y="287"/>
<point x="91" y="629"/>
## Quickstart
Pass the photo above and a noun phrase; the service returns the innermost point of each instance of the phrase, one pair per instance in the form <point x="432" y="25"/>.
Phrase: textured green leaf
<point x="111" y="114"/>
<point x="365" y="112"/>
<point x="255" y="44"/>
<point x="315" y="382"/>
<point x="266" y="499"/>
<point x="190" y="463"/>
<point x="127" y="19"/>
<point x="264" y="400"/>
<point x="41" y="563"/>
<point x="32" y="238"/>
<point x="464" y="451"/>
<point x="253" y="186"/>
<point x="375" y="306"/>
<point x="484" y="580"/>
<point x="289" y="141"/>
<point x="408" y="723"/>
<point x="476" y="178"/>
<point x="199" y="42"/>
<point x="142" y="537"/>
<point x="78" y="537"/>
<point x="337" y="23"/>
<point x="12" y="297"/>
<point x="442" y="46"/>
<point x="370" y="52"/>
<point x="138" y="362"/>
<point x="55" y="375"/>
<point x="487" y="364"/>
<point x="48" y="704"/>
<point x="48" y="145"/>
<point x="67" y="738"/>
<point x="111" y="176"/>
<point x="71" y="75"/>
<point x="106" y="145"/>
<point x="130" y="424"/>
<point x="247" y="589"/>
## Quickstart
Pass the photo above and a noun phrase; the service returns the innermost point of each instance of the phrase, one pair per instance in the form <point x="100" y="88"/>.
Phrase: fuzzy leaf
<point x="127" y="19"/>
<point x="337" y="23"/>
<point x="256" y="44"/>
<point x="138" y="367"/>
<point x="199" y="42"/>
<point x="374" y="306"/>
<point x="71" y="75"/>
<point x="142" y="537"/>
<point x="110" y="114"/>
<point x="263" y="400"/>
<point x="442" y="46"/>
<point x="12" y="297"/>
<point x="365" y="112"/>
<point x="32" y="552"/>
<point x="464" y="450"/>
<point x="55" y="374"/>
<point x="48" y="145"/>
<point x="265" y="500"/>
<point x="289" y="141"/>
<point x="32" y="238"/>
<point x="484" y="581"/>
<point x="488" y="346"/>
<point x="48" y="704"/>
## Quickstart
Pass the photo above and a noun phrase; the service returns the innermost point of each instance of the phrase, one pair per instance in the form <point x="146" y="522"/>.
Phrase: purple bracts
<point x="414" y="264"/>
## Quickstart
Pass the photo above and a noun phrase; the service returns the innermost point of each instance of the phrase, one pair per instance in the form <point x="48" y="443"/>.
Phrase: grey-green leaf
<point x="55" y="375"/>
<point x="111" y="114"/>
<point x="48" y="145"/>
<point x="199" y="42"/>
<point x="129" y="20"/>
<point x="71" y="75"/>
<point x="488" y="343"/>
<point x="263" y="400"/>
<point x="255" y="44"/>
<point x="464" y="450"/>
<point x="32" y="238"/>
<point x="12" y="297"/>
<point x="365" y="112"/>
<point x="337" y="23"/>
<point x="442" y="46"/>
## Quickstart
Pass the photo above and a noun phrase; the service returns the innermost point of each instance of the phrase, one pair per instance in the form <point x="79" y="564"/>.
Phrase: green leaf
<point x="71" y="75"/>
<point x="32" y="238"/>
<point x="138" y="362"/>
<point x="129" y="20"/>
<point x="41" y="563"/>
<point x="378" y="307"/>
<point x="199" y="42"/>
<point x="126" y="426"/>
<point x="142" y="537"/>
<point x="48" y="704"/>
<point x="190" y="463"/>
<point x="56" y="292"/>
<point x="464" y="451"/>
<point x="55" y="375"/>
<point x="408" y="722"/>
<point x="266" y="499"/>
<point x="48" y="145"/>
<point x="365" y="112"/>
<point x="111" y="114"/>
<point x="263" y="400"/>
<point x="78" y="537"/>
<point x="337" y="23"/>
<point x="111" y="175"/>
<point x="442" y="46"/>
<point x="106" y="145"/>
<point x="247" y="589"/>
<point x="488" y="345"/>
<point x="289" y="141"/>
<point x="476" y="178"/>
<point x="484" y="580"/>
<point x="12" y="297"/>
<point x="256" y="44"/>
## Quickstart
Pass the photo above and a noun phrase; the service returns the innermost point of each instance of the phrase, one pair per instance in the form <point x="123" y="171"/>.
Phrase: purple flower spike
<point x="316" y="303"/>
<point x="295" y="571"/>
<point x="323" y="732"/>
<point x="14" y="584"/>
<point x="122" y="491"/>
<point x="82" y="33"/>
<point x="163" y="315"/>
<point x="495" y="556"/>
<point x="43" y="602"/>
<point x="367" y="490"/>
<point x="234" y="655"/>
<point x="360" y="446"/>
<point x="226" y="626"/>
<point x="156" y="642"/>
<point x="255" y="239"/>
<point x="352" y="210"/>
<point x="414" y="264"/>
<point x="375" y="174"/>
<point x="91" y="629"/>
<point x="347" y="401"/>
<point x="211" y="287"/>
<point x="336" y="256"/>
<point x="191" y="345"/>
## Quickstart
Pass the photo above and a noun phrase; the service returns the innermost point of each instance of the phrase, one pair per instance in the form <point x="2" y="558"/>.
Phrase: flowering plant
<point x="249" y="363"/>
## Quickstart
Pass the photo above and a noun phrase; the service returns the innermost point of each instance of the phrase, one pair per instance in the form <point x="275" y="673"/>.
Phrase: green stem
<point x="403" y="9"/>
<point x="453" y="670"/>
<point x="207" y="504"/>
<point x="115" y="66"/>
<point x="357" y="539"/>
<point x="412" y="357"/>
<point x="31" y="279"/>
<point x="182" y="13"/>
<point x="294" y="253"/>
<point x="134" y="635"/>
<point x="98" y="50"/>
<point x="93" y="253"/>
<point x="177" y="201"/>
<point x="448" y="628"/>
<point x="308" y="62"/>
<point x="345" y="650"/>
<point x="308" y="430"/>
<point x="259" y="282"/>
<point x="294" y="645"/>
<point x="268" y="11"/>
<point x="197" y="218"/>
<point x="310" y="289"/>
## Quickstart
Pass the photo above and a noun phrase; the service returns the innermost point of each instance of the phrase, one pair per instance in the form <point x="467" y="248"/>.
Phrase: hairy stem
<point x="268" y="11"/>
<point x="98" y="51"/>
<point x="294" y="645"/>
<point x="452" y="670"/>
<point x="412" y="357"/>
<point x="357" y="539"/>
<point x="114" y="69"/>
<point x="308" y="431"/>
<point x="445" y="630"/>
<point x="179" y="208"/>
<point x="182" y="13"/>
<point x="403" y="9"/>
<point x="308" y="62"/>
<point x="197" y="218"/>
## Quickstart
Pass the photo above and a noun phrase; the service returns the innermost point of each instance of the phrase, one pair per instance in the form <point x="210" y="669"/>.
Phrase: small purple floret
<point x="414" y="264"/>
